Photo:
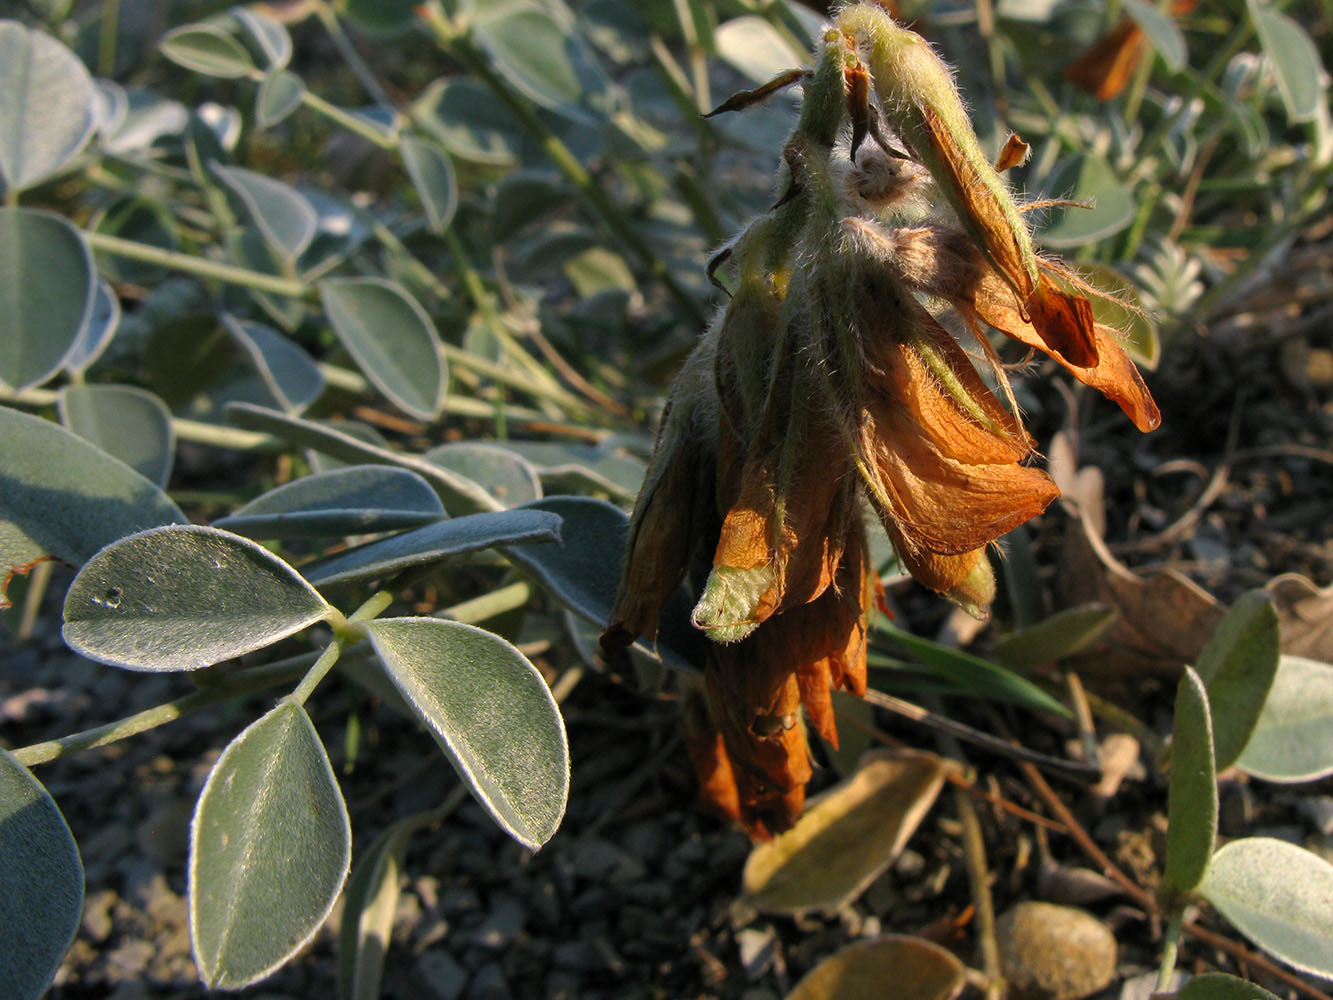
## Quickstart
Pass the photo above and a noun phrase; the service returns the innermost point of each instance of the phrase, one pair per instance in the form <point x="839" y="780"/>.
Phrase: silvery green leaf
<point x="48" y="107"/>
<point x="432" y="543"/>
<point x="125" y="421"/>
<point x="354" y="500"/>
<point x="64" y="498"/>
<point x="270" y="846"/>
<point x="491" y="712"/>
<point x="1278" y="895"/>
<point x="183" y="597"/>
<point x="41" y="883"/>
<point x="47" y="291"/>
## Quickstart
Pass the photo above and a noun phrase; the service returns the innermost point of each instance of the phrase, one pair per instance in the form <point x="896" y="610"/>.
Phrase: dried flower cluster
<point x="831" y="380"/>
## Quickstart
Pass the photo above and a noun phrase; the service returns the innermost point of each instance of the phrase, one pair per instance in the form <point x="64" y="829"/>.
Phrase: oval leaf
<point x="1294" y="58"/>
<point x="48" y="106"/>
<point x="754" y="47"/>
<point x="347" y="448"/>
<point x="267" y="37"/>
<point x="207" y="49"/>
<point x="917" y="968"/>
<point x="432" y="543"/>
<point x="1163" y="32"/>
<point x="847" y="837"/>
<point x="270" y="846"/>
<point x="1237" y="667"/>
<point x="47" y="290"/>
<point x="490" y="711"/>
<point x="62" y="498"/>
<point x="130" y="423"/>
<point x="96" y="334"/>
<point x="495" y="469"/>
<point x="279" y="94"/>
<point x="1192" y="799"/>
<point x="1062" y="634"/>
<point x="289" y="373"/>
<point x="1293" y="737"/>
<point x="542" y="58"/>
<point x="577" y="466"/>
<point x="432" y="175"/>
<point x="469" y="121"/>
<point x="41" y="883"/>
<point x="184" y="597"/>
<point x="283" y="215"/>
<point x="1086" y="178"/>
<point x="354" y="500"/>
<point x="1278" y="895"/>
<point x="1220" y="986"/>
<point x="392" y="340"/>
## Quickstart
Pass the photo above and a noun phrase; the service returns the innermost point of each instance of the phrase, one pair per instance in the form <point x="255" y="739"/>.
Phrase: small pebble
<point x="488" y="983"/>
<point x="439" y="976"/>
<point x="756" y="946"/>
<point x="1050" y="952"/>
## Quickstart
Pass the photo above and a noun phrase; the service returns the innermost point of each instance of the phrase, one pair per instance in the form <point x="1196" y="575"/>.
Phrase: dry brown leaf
<point x="1305" y="616"/>
<point x="847" y="837"/>
<point x="895" y="967"/>
<point x="1165" y="618"/>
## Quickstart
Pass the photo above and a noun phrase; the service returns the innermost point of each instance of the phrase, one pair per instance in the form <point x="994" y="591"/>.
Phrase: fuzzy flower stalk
<point x="834" y="381"/>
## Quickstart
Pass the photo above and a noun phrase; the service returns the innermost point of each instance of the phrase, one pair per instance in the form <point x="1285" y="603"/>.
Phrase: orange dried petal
<point x="1114" y="375"/>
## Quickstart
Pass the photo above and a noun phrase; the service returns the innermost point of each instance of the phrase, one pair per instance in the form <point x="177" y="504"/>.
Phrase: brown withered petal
<point x="1114" y="375"/>
<point x="708" y="754"/>
<point x="946" y="477"/>
<point x="1104" y="69"/>
<point x="670" y="513"/>
<point x="1064" y="322"/>
<point x="982" y="214"/>
<point x="1013" y="154"/>
<point x="965" y="578"/>
<point x="939" y="261"/>
<point x="781" y="536"/>
<point x="755" y="704"/>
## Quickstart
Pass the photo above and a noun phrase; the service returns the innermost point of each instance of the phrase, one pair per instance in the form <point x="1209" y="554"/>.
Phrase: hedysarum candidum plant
<point x="832" y="379"/>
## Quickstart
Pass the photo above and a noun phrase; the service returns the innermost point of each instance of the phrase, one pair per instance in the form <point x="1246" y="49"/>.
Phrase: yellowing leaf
<point x="847" y="837"/>
<point x="917" y="969"/>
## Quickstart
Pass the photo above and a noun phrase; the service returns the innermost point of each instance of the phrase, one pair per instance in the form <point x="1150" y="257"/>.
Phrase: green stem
<point x="419" y="270"/>
<point x="347" y="50"/>
<point x="497" y="602"/>
<point x="184" y="429"/>
<point x="196" y="265"/>
<point x="1169" y="948"/>
<point x="1200" y="82"/>
<point x="106" y="41"/>
<point x="348" y="121"/>
<point x="595" y="197"/>
<point x="345" y="633"/>
<point x="240" y="683"/>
